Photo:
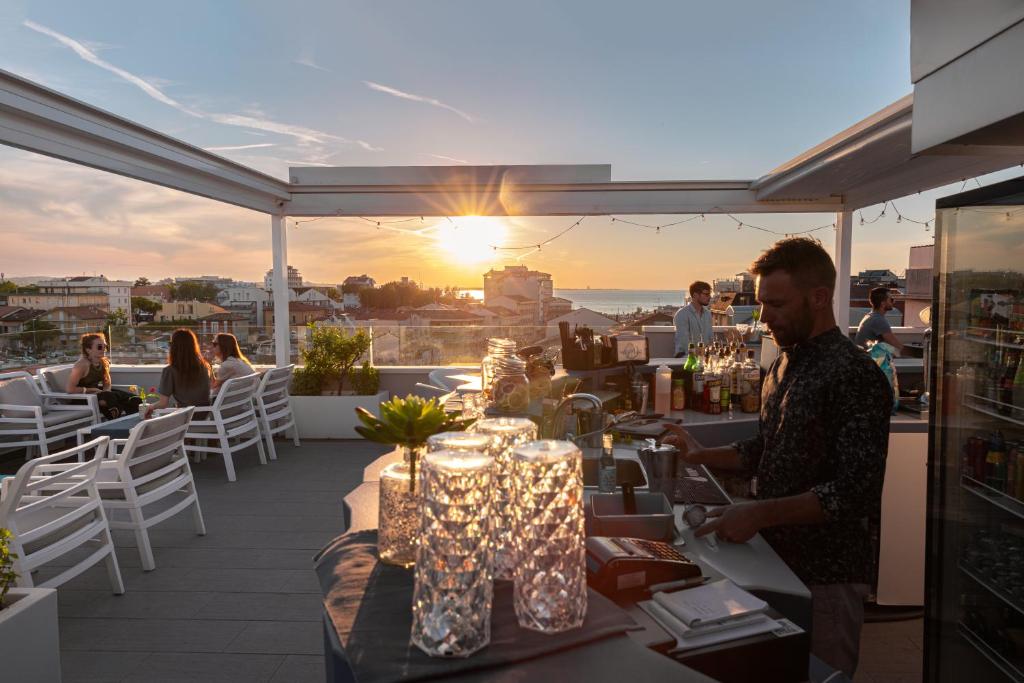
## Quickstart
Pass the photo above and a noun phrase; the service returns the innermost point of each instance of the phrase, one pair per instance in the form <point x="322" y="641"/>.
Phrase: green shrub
<point x="328" y="359"/>
<point x="7" y="573"/>
<point x="365" y="381"/>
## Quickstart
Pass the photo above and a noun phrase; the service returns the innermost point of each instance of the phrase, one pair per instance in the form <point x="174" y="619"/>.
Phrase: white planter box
<point x="332" y="417"/>
<point x="29" y="638"/>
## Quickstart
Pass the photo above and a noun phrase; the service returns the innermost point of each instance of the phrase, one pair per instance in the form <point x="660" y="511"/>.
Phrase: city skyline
<point x="655" y="107"/>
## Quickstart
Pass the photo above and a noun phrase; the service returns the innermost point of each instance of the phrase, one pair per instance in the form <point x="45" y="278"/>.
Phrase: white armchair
<point x="274" y="406"/>
<point x="34" y="420"/>
<point x="150" y="467"/>
<point x="54" y="508"/>
<point x="229" y="425"/>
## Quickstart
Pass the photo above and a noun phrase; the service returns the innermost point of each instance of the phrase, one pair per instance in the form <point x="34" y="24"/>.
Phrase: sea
<point x="612" y="300"/>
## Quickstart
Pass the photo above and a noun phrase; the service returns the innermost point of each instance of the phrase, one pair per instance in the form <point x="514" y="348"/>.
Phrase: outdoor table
<point x="115" y="429"/>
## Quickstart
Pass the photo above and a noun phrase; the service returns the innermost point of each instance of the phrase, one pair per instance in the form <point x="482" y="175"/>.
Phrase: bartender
<point x="818" y="459"/>
<point x="693" y="321"/>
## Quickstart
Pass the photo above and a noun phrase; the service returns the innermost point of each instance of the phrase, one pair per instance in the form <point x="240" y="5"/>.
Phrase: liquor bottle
<point x="713" y="387"/>
<point x="691" y="358"/>
<point x="697" y="402"/>
<point x="607" y="471"/>
<point x="678" y="395"/>
<point x="750" y="391"/>
<point x="736" y="380"/>
<point x="995" y="462"/>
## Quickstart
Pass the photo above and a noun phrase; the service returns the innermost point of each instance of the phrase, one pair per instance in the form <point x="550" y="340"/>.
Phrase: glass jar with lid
<point x="509" y="388"/>
<point x="496" y="348"/>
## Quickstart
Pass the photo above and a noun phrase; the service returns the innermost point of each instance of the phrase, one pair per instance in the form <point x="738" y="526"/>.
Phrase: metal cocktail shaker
<point x="659" y="462"/>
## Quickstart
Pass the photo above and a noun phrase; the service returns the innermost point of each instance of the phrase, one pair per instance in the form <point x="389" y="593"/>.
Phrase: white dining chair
<point x="52" y="509"/>
<point x="33" y="420"/>
<point x="229" y="425"/>
<point x="274" y="407"/>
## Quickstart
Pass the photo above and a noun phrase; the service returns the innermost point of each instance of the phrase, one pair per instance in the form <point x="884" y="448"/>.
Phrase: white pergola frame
<point x="866" y="164"/>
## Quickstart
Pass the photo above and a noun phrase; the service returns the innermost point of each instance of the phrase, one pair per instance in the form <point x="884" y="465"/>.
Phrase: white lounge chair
<point x="53" y="508"/>
<point x="34" y="420"/>
<point x="274" y="406"/>
<point x="229" y="425"/>
<point x="150" y="467"/>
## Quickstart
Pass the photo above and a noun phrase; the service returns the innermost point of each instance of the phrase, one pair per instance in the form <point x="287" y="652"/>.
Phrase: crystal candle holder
<point x="463" y="442"/>
<point x="550" y="592"/>
<point x="398" y="515"/>
<point x="505" y="433"/>
<point x="451" y="603"/>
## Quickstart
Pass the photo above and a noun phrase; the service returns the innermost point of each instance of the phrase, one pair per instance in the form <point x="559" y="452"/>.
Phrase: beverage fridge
<point x="974" y="576"/>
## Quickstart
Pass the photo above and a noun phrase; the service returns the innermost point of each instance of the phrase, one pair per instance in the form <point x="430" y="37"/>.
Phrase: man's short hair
<point x="878" y="295"/>
<point x="804" y="259"/>
<point x="698" y="287"/>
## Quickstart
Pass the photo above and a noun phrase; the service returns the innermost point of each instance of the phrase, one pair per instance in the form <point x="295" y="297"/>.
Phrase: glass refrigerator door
<point x="974" y="626"/>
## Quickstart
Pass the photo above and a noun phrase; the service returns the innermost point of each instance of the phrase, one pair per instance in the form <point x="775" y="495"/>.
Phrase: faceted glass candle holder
<point x="398" y="521"/>
<point x="451" y="602"/>
<point x="505" y="433"/>
<point x="550" y="592"/>
<point x="464" y="442"/>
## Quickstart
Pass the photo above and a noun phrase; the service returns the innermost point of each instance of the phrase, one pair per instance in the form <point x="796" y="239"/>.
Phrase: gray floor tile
<point x="262" y="606"/>
<point x="98" y="666"/>
<point x="148" y="635"/>
<point x="300" y="669"/>
<point x="193" y="667"/>
<point x="280" y="637"/>
<point x="138" y="604"/>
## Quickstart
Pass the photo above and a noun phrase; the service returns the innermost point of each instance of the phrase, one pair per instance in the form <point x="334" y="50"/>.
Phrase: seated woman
<point x="233" y="362"/>
<point x="91" y="375"/>
<point x="186" y="377"/>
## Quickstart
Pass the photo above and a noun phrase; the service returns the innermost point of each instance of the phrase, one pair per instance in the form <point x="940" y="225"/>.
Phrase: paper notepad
<point x="715" y="603"/>
<point x="692" y="638"/>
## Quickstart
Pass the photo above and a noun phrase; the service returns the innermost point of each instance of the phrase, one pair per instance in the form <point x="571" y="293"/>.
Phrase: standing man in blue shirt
<point x="693" y="322"/>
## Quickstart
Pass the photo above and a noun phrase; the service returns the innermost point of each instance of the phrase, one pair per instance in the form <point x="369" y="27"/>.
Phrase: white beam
<point x="41" y="120"/>
<point x="844" y="244"/>
<point x="282" y="338"/>
<point x="544" y="199"/>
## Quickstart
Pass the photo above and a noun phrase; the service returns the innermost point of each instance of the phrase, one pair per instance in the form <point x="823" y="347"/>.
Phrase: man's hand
<point x="689" y="447"/>
<point x="734" y="523"/>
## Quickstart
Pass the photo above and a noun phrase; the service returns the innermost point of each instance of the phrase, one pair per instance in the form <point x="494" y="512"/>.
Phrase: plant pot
<point x="29" y="638"/>
<point x="332" y="417"/>
<point x="398" y="519"/>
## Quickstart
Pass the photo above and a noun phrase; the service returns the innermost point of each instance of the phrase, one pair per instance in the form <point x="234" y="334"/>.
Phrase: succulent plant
<point x="408" y="422"/>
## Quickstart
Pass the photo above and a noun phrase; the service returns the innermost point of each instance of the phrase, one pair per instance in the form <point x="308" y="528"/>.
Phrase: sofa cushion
<point x="19" y="391"/>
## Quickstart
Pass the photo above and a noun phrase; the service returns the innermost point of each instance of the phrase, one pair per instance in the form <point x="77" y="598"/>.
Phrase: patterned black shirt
<point x="824" y="427"/>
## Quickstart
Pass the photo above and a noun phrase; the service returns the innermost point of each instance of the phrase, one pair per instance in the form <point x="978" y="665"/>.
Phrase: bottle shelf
<point x="991" y="413"/>
<point x="991" y="654"/>
<point x="998" y="592"/>
<point x="993" y="496"/>
<point x="974" y="337"/>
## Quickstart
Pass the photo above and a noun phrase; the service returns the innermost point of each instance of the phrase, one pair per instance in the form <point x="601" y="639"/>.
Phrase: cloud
<point x="444" y="158"/>
<point x="301" y="133"/>
<point x="416" y="98"/>
<point x="233" y="148"/>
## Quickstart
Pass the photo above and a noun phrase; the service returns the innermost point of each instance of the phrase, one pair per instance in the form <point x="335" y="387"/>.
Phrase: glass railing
<point x="393" y="343"/>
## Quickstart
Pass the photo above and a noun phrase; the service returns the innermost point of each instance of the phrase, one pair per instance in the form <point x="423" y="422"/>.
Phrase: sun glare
<point x="469" y="239"/>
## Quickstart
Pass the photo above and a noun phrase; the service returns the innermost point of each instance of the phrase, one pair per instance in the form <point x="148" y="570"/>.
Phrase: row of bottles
<point x="1001" y="381"/>
<point x="713" y="380"/>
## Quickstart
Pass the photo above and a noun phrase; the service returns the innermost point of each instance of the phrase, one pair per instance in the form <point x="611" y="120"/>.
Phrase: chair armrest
<point x="38" y="412"/>
<point x="64" y="395"/>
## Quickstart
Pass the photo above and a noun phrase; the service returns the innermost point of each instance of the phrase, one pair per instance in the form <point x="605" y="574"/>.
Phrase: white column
<point x="844" y="242"/>
<point x="282" y="340"/>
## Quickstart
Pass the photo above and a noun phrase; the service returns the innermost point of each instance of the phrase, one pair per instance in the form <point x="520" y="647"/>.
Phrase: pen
<point x="673" y="585"/>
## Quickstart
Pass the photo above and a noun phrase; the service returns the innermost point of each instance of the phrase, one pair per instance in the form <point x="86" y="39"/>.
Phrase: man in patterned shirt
<point x="819" y="456"/>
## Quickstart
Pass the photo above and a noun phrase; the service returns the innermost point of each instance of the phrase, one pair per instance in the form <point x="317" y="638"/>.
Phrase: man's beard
<point x="799" y="330"/>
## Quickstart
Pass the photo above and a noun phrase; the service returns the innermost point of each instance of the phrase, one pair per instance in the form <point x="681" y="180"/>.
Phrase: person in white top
<point x="233" y="362"/>
<point x="693" y="321"/>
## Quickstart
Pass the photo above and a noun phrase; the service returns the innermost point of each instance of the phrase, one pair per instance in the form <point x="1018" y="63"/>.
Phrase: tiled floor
<point x="891" y="652"/>
<point x="242" y="603"/>
<point x="239" y="604"/>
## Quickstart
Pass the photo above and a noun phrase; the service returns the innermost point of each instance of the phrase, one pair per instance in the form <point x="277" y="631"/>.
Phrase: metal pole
<point x="282" y="340"/>
<point x="844" y="243"/>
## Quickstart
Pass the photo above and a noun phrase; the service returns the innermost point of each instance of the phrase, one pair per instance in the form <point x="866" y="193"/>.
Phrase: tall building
<point x="520" y="284"/>
<point x="919" y="284"/>
<point x="76" y="290"/>
<point x="294" y="279"/>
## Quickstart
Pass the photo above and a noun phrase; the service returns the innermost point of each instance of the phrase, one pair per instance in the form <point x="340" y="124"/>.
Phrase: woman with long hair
<point x="186" y="378"/>
<point x="91" y="375"/>
<point x="233" y="362"/>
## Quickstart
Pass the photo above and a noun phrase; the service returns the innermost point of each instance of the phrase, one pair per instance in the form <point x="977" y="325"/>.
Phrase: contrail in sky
<point x="416" y="98"/>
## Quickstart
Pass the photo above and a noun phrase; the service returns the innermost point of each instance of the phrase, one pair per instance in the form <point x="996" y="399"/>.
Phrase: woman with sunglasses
<point x="91" y="375"/>
<point x="233" y="362"/>
<point x="186" y="378"/>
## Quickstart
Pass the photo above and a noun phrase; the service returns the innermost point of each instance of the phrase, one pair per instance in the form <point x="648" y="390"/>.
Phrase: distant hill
<point x="29" y="279"/>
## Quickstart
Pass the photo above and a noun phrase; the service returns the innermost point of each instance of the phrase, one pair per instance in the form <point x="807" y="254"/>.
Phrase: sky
<point x="660" y="90"/>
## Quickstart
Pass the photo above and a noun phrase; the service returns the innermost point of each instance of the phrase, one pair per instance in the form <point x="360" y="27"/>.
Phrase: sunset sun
<point x="470" y="239"/>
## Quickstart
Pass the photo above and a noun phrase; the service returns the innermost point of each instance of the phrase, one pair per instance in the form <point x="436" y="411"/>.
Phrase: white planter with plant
<point x="329" y="387"/>
<point x="29" y="637"/>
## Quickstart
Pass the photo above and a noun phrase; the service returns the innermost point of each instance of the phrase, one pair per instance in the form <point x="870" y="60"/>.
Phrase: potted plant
<point x="329" y="386"/>
<point x="29" y="640"/>
<point x="406" y="423"/>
